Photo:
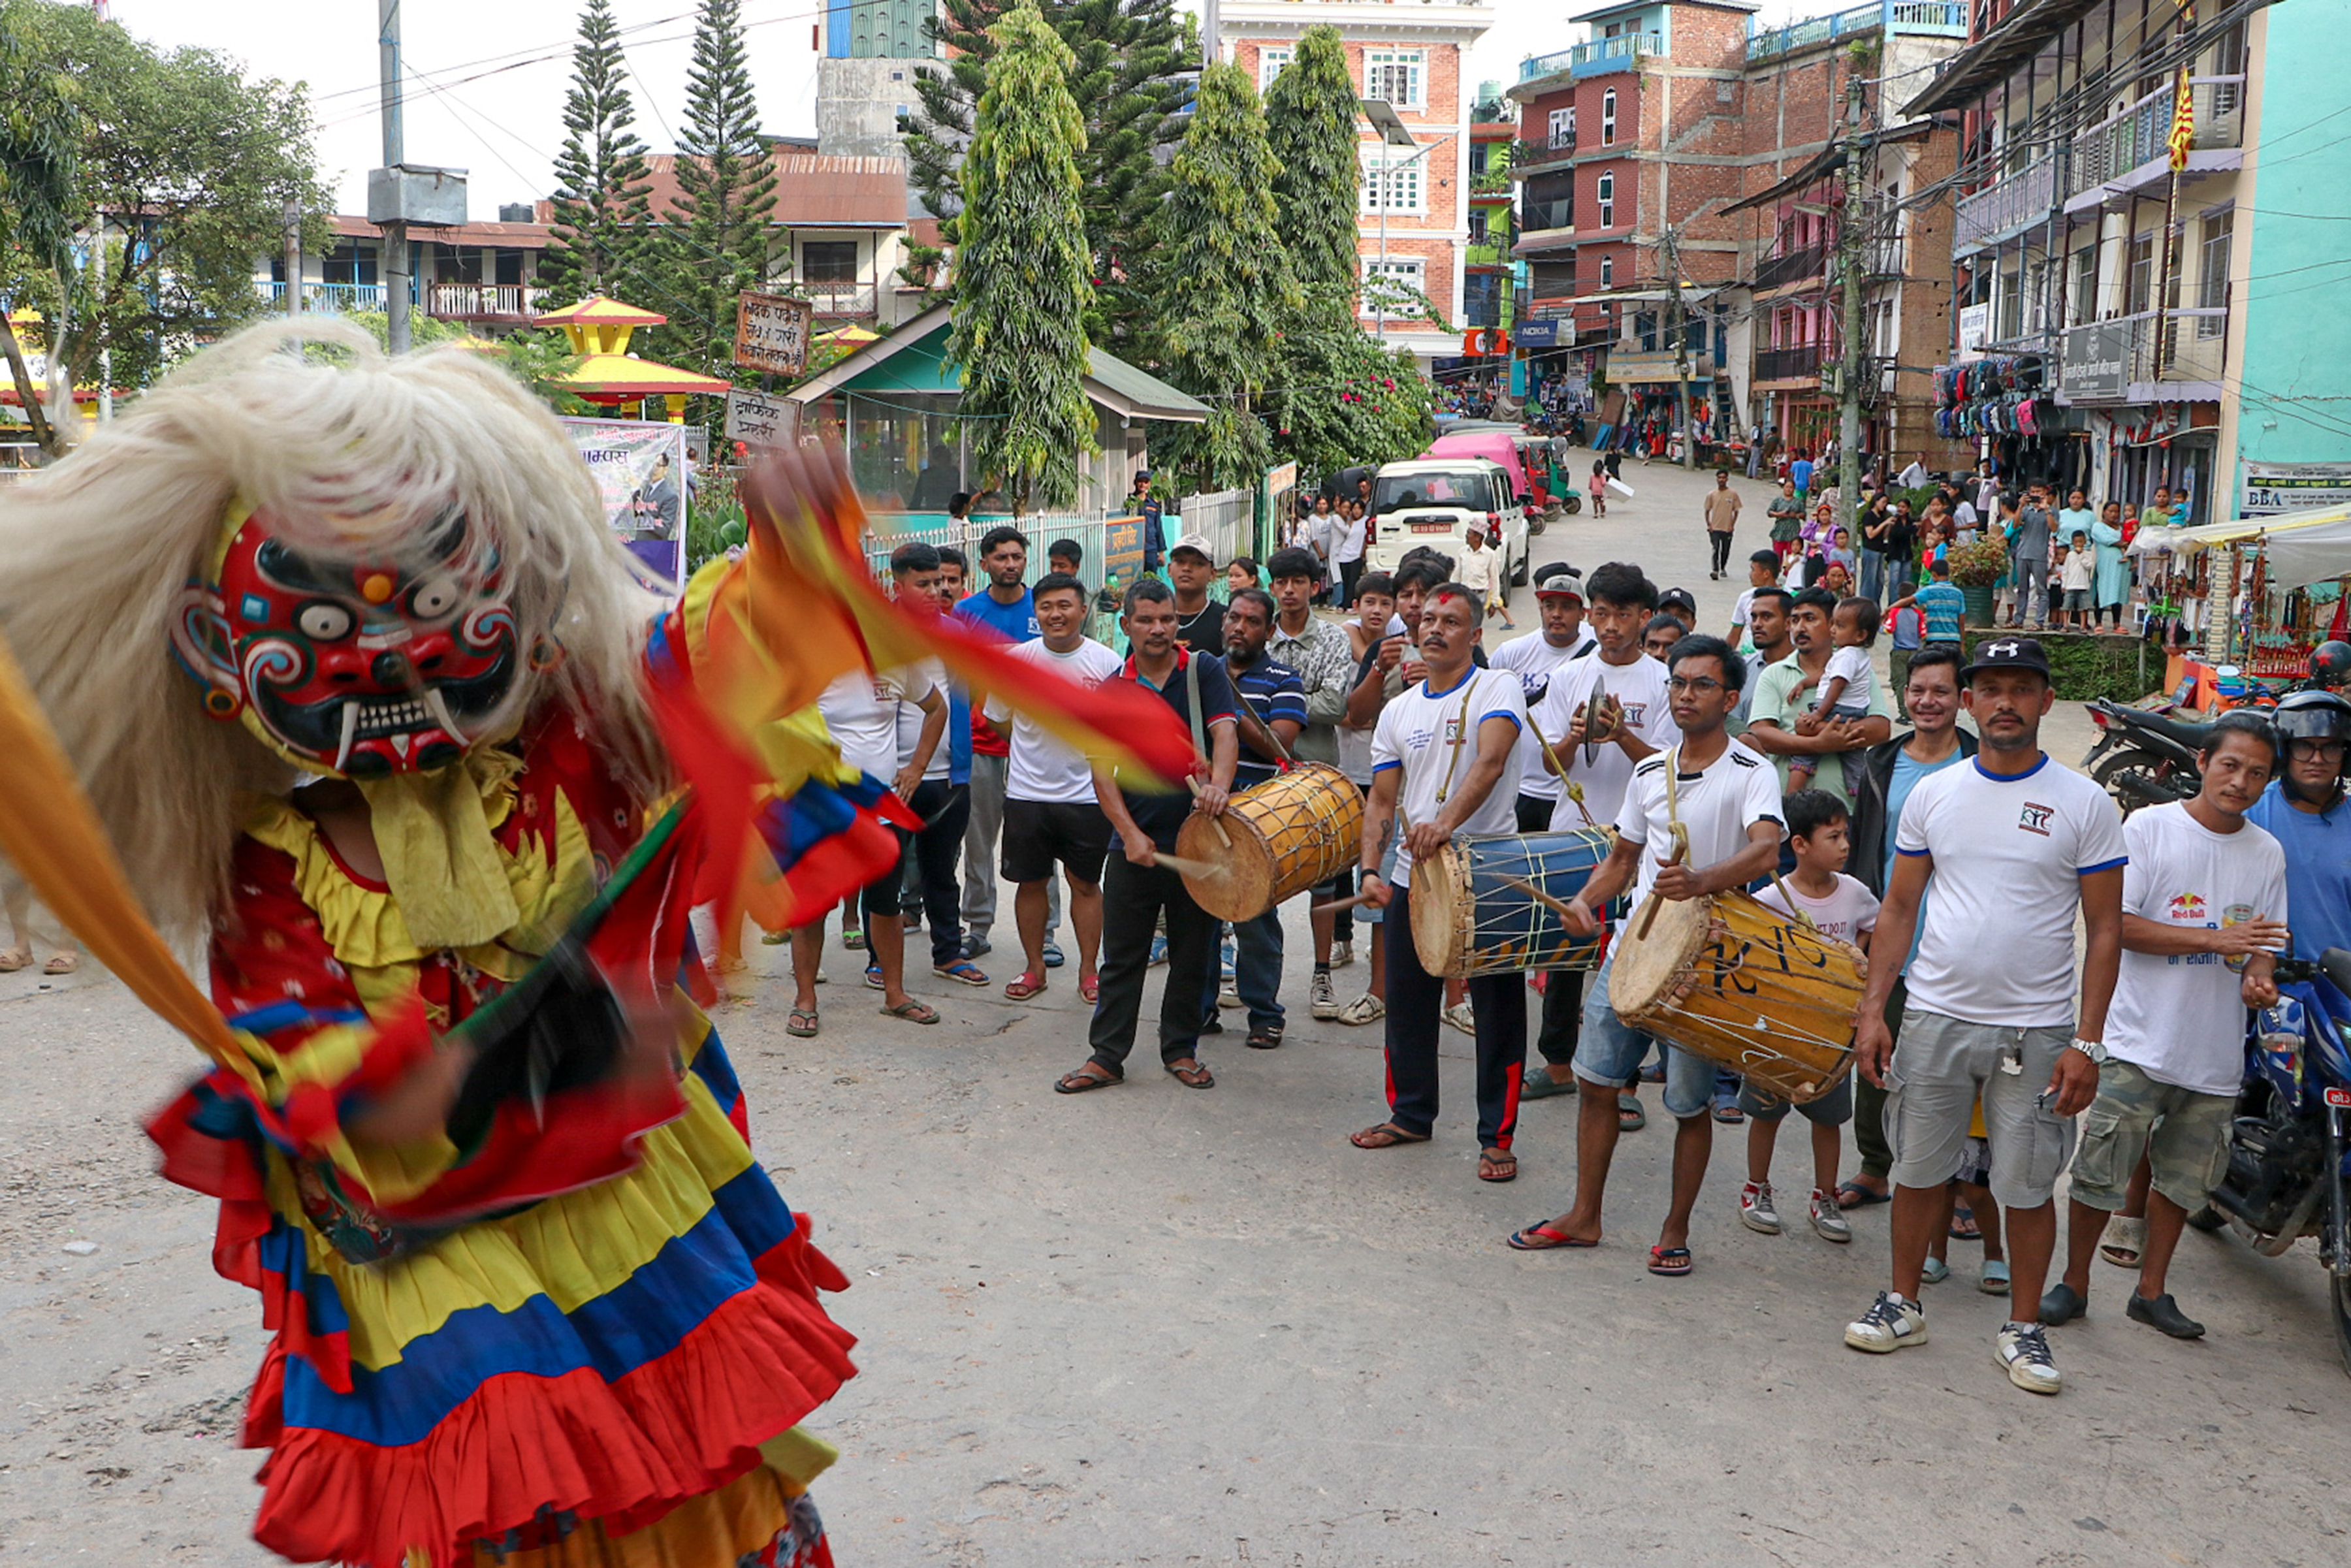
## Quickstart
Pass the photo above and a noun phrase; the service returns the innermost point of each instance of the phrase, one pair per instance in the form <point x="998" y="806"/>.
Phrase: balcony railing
<point x="2022" y="198"/>
<point x="1591" y="59"/>
<point x="1930" y="18"/>
<point x="1788" y="364"/>
<point x="1558" y="214"/>
<point x="850" y="299"/>
<point x="1491" y="182"/>
<point x="1482" y="253"/>
<point x="482" y="301"/>
<point x="1527" y="152"/>
<point x="1792" y="267"/>
<point x="2140" y="134"/>
<point x="2110" y="361"/>
<point x="330" y="298"/>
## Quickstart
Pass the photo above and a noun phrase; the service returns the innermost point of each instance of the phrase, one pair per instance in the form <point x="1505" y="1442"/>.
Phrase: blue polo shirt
<point x="1944" y="607"/>
<point x="2317" y="868"/>
<point x="1161" y="812"/>
<point x="1015" y="622"/>
<point x="1272" y="691"/>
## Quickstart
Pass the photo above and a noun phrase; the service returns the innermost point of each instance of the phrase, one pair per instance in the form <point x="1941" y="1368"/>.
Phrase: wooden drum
<point x="1470" y="917"/>
<point x="1733" y="981"/>
<point x="1295" y="830"/>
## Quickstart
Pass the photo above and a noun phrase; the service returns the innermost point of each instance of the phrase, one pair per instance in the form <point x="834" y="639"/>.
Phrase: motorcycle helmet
<point x="2330" y="665"/>
<point x="2311" y="715"/>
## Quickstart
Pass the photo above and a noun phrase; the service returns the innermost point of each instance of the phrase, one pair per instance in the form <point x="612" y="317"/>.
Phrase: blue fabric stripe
<point x="285" y="1251"/>
<point x="292" y="1014"/>
<point x="1516" y="722"/>
<point x="2104" y="865"/>
<point x="716" y="1071"/>
<point x="1383" y="766"/>
<point x="631" y="1326"/>
<point x="1900" y="851"/>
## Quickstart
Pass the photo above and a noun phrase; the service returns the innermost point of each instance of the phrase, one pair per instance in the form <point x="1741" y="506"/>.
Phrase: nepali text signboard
<point x="757" y="419"/>
<point x="2274" y="488"/>
<point x="771" y="332"/>
<point x="2096" y="364"/>
<point x="640" y="469"/>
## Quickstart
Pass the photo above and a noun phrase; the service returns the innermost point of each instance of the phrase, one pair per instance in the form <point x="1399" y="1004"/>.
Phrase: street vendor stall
<point x="2274" y="585"/>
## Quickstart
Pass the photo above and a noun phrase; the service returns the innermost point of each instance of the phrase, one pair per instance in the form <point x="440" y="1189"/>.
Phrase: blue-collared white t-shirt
<point x="1716" y="805"/>
<point x="1432" y="735"/>
<point x="2010" y="854"/>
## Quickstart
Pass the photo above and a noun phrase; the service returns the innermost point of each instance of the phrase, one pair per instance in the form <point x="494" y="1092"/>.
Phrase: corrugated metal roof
<point x="512" y="236"/>
<point x="813" y="191"/>
<point x="1152" y="398"/>
<point x="1983" y="65"/>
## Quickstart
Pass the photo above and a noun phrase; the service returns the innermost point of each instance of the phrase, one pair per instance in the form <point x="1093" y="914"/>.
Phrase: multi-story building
<point x="484" y="276"/>
<point x="1414" y="223"/>
<point x="866" y="78"/>
<point x="2125" y="344"/>
<point x="1487" y="298"/>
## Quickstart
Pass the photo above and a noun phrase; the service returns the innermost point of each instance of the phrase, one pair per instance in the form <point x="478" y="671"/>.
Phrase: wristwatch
<point x="2096" y="1050"/>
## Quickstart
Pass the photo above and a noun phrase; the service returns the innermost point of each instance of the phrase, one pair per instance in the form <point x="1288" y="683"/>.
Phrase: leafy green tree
<point x="178" y="152"/>
<point x="1310" y="114"/>
<point x="39" y="145"/>
<point x="718" y="241"/>
<point x="1021" y="261"/>
<point x="1345" y="398"/>
<point x="602" y="205"/>
<point x="1130" y="77"/>
<point x="1220" y="287"/>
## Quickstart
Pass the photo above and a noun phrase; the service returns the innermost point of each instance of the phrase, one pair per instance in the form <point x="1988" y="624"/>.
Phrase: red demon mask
<point x="349" y="666"/>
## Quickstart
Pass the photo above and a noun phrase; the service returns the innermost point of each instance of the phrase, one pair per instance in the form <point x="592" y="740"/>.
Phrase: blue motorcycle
<point x="2287" y="1168"/>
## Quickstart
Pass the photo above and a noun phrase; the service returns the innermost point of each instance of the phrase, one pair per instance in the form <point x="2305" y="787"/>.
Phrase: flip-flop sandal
<point x="801" y="1025"/>
<point x="913" y="1011"/>
<point x="1853" y="1194"/>
<point x="1196" y="1076"/>
<point x="1386" y="1135"/>
<point x="1630" y="1117"/>
<point x="1088" y="1077"/>
<point x="1963" y="1226"/>
<point x="2124" y="1241"/>
<point x="963" y="972"/>
<point x="1090" y="988"/>
<point x="854" y="940"/>
<point x="1496" y="1165"/>
<point x="1543" y="1238"/>
<point x="1669" y="1260"/>
<point x="1030" y="984"/>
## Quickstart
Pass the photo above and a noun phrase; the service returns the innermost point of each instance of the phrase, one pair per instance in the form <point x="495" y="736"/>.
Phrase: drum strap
<point x="1460" y="737"/>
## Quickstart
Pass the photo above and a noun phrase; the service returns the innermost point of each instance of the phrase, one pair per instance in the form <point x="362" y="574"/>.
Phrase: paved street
<point x="1150" y="1326"/>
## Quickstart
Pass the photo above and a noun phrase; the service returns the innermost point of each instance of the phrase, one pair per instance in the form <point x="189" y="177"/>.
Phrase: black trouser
<point x="1721" y="543"/>
<point x="1133" y="898"/>
<point x="1343" y="921"/>
<point x="1563" y="1004"/>
<point x="938" y="849"/>
<point x="1415" y="999"/>
<point x="1869" y="1101"/>
<point x="1349" y="571"/>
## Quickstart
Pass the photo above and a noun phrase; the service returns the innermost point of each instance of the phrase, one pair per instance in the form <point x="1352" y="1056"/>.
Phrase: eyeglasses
<point x="1697" y="686"/>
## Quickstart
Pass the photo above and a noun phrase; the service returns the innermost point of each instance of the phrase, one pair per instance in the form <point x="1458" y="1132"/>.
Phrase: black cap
<point x="1680" y="596"/>
<point x="2007" y="654"/>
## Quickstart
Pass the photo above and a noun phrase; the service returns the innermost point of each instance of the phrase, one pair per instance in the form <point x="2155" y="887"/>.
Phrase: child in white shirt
<point x="2076" y="576"/>
<point x="1848" y="686"/>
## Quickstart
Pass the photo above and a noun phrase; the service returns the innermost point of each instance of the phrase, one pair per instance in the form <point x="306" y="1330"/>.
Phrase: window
<point x="2085" y="286"/>
<point x="1607" y="195"/>
<point x="1608" y="118"/>
<point x="2139" y="297"/>
<point x="1392" y="186"/>
<point x="829" y="261"/>
<point x="1394" y="75"/>
<point x="1607" y="272"/>
<point x="1390" y="282"/>
<point x="2212" y="274"/>
<point x="1271" y="63"/>
<point x="1563" y="128"/>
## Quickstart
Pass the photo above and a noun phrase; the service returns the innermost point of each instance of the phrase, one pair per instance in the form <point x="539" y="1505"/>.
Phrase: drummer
<point x="1273" y="694"/>
<point x="1726" y="800"/>
<point x="1445" y="761"/>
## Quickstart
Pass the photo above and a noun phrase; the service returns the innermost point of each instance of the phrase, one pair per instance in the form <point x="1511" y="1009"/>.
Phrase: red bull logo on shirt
<point x="2185" y="907"/>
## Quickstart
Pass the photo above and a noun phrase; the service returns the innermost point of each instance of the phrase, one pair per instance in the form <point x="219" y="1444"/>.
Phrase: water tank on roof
<point x="518" y="213"/>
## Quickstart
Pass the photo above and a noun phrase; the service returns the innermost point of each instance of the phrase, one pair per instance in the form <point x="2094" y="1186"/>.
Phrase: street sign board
<point x="2274" y="488"/>
<point x="2096" y="363"/>
<point x="759" y="421"/>
<point x="771" y="332"/>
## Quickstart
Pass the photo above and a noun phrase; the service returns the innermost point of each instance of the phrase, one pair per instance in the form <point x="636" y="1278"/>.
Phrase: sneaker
<point x="2023" y="1350"/>
<point x="1891" y="1323"/>
<point x="1158" y="950"/>
<point x="1227" y="996"/>
<point x="1365" y="1009"/>
<point x="1053" y="959"/>
<point x="1828" y="1221"/>
<point x="1342" y="954"/>
<point x="1325" y="997"/>
<point x="1755" y="1210"/>
<point x="1460" y="1016"/>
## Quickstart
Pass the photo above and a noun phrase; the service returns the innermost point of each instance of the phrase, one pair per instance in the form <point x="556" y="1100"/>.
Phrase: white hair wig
<point x="353" y="455"/>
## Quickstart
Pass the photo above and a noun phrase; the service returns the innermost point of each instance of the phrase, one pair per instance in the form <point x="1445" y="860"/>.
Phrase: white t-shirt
<point x="1538" y="665"/>
<point x="1860" y="685"/>
<point x="1351" y="543"/>
<point x="1717" y="805"/>
<point x="2010" y="854"/>
<point x="2179" y="1017"/>
<point x="1602" y="768"/>
<point x="1041" y="768"/>
<point x="1739" y="610"/>
<point x="861" y="710"/>
<point x="1848" y="911"/>
<point x="933" y="674"/>
<point x="1433" y="736"/>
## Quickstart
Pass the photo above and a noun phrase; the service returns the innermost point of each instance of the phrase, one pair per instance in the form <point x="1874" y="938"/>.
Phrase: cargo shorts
<point x="2183" y="1134"/>
<point x="1940" y="1069"/>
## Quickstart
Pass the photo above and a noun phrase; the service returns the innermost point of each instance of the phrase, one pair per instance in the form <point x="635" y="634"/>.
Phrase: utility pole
<point x="1852" y="247"/>
<point x="293" y="256"/>
<point x="396" y="263"/>
<point x="1210" y="50"/>
<point x="105" y="347"/>
<point x="1670" y="248"/>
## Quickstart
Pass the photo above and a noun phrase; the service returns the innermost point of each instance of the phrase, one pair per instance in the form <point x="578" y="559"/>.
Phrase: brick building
<point x="1409" y="55"/>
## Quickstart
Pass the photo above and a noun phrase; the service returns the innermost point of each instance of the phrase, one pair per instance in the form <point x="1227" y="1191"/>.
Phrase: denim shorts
<point x="1609" y="1054"/>
<point x="2184" y="1135"/>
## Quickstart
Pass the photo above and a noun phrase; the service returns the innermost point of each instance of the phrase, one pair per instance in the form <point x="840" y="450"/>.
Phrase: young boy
<point x="2055" y="606"/>
<point x="1064" y="556"/>
<point x="1762" y="572"/>
<point x="2076" y="575"/>
<point x="1837" y="906"/>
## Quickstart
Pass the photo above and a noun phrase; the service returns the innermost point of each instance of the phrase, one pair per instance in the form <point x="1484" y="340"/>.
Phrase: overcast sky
<point x="504" y="64"/>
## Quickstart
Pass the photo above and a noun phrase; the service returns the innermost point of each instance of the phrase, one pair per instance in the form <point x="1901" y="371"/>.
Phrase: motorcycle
<point x="2145" y="756"/>
<point x="2288" y="1172"/>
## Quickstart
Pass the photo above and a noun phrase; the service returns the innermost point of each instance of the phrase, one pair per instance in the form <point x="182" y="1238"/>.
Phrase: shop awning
<point x="2313" y="546"/>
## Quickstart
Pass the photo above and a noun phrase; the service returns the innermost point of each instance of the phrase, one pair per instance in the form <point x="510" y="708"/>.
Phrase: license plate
<point x="1432" y="528"/>
<point x="2339" y="1097"/>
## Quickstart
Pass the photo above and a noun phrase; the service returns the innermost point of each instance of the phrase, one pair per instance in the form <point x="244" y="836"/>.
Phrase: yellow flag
<point x="2183" y="123"/>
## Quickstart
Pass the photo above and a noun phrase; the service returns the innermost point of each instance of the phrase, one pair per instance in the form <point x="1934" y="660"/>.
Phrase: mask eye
<point x="323" y="621"/>
<point x="433" y="598"/>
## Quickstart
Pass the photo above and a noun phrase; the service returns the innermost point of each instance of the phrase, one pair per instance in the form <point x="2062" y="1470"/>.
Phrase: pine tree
<point x="1220" y="285"/>
<point x="1023" y="288"/>
<point x="1130" y="77"/>
<point x="602" y="185"/>
<point x="716" y="242"/>
<point x="1309" y="113"/>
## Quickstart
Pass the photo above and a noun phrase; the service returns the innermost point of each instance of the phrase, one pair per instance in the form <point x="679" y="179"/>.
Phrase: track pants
<point x="1415" y="999"/>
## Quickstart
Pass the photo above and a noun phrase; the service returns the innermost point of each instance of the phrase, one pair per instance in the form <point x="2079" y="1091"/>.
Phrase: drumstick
<point x="1538" y="894"/>
<point x="1223" y="837"/>
<point x="1182" y="867"/>
<point x="1335" y="904"/>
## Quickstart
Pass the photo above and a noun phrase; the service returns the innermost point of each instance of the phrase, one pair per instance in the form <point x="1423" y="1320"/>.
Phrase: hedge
<point x="2084" y="665"/>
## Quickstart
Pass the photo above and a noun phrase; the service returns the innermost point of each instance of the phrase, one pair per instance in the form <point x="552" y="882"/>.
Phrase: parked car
<point x="1433" y="501"/>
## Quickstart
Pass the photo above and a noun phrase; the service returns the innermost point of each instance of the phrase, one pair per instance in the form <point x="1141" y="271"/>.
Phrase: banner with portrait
<point x="640" y="470"/>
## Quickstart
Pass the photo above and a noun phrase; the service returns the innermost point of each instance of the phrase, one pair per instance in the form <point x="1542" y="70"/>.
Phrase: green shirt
<point x="1773" y="704"/>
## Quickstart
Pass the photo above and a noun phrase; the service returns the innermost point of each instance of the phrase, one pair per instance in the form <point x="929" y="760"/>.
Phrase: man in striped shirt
<point x="1273" y="696"/>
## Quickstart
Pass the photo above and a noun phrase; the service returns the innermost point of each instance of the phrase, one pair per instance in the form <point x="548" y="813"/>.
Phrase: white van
<point x="1433" y="501"/>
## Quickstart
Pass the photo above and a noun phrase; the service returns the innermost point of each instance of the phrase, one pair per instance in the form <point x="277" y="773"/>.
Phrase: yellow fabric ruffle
<point x="716" y="1528"/>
